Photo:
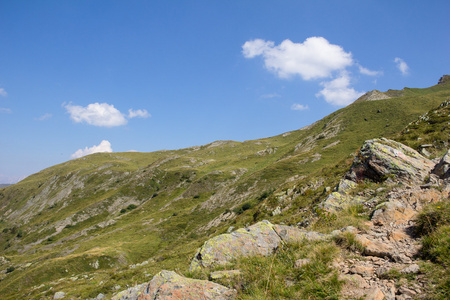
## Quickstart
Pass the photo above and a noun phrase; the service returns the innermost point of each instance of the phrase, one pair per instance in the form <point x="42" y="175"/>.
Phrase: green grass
<point x="277" y="277"/>
<point x="433" y="224"/>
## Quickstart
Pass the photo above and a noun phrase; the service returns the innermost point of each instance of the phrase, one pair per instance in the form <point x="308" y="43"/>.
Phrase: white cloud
<point x="5" y="110"/>
<point x="104" y="146"/>
<point x="338" y="92"/>
<point x="97" y="114"/>
<point x="102" y="114"/>
<point x="312" y="59"/>
<point x="3" y="93"/>
<point x="299" y="107"/>
<point x="44" y="117"/>
<point x="402" y="66"/>
<point x="368" y="72"/>
<point x="141" y="113"/>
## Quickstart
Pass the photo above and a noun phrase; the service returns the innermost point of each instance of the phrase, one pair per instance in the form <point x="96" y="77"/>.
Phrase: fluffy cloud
<point x="314" y="58"/>
<point x="338" y="91"/>
<point x="104" y="146"/>
<point x="3" y="93"/>
<point x="299" y="107"/>
<point x="402" y="66"/>
<point x="102" y="114"/>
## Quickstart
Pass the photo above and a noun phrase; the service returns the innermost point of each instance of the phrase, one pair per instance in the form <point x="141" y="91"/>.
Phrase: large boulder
<point x="380" y="159"/>
<point x="258" y="239"/>
<point x="169" y="285"/>
<point x="262" y="238"/>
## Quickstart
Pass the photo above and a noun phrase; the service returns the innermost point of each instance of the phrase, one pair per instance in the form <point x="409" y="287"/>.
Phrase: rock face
<point x="380" y="159"/>
<point x="373" y="95"/>
<point x="262" y="238"/>
<point x="442" y="169"/>
<point x="170" y="285"/>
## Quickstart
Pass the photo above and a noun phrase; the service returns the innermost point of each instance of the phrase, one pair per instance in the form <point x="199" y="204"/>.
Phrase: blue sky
<point x="77" y="77"/>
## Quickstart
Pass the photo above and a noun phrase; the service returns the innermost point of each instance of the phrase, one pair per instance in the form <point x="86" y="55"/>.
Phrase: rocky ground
<point x="388" y="241"/>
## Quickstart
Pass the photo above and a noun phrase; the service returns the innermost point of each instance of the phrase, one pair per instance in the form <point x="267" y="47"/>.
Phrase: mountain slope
<point x="93" y="217"/>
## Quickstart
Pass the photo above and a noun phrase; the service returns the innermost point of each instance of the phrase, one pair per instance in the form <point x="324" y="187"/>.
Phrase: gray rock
<point x="262" y="238"/>
<point x="442" y="169"/>
<point x="170" y="285"/>
<point x="412" y="269"/>
<point x="130" y="294"/>
<point x="337" y="201"/>
<point x="59" y="295"/>
<point x="258" y="239"/>
<point x="380" y="159"/>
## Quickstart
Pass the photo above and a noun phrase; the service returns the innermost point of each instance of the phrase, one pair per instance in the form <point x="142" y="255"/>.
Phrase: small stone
<point x="59" y="295"/>
<point x="100" y="296"/>
<point x="374" y="294"/>
<point x="301" y="262"/>
<point x="405" y="291"/>
<point x="412" y="269"/>
<point x="362" y="270"/>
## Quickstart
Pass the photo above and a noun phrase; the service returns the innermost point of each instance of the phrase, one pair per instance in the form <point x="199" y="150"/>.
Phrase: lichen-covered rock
<point x="262" y="238"/>
<point x="169" y="285"/>
<point x="291" y="234"/>
<point x="224" y="274"/>
<point x="258" y="239"/>
<point x="380" y="159"/>
<point x="130" y="294"/>
<point x="345" y="186"/>
<point x="337" y="201"/>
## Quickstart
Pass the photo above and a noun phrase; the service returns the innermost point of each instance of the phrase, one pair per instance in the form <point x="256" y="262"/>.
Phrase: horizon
<point x="81" y="77"/>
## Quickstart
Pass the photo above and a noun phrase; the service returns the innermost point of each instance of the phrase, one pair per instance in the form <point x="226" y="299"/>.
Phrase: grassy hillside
<point x="106" y="220"/>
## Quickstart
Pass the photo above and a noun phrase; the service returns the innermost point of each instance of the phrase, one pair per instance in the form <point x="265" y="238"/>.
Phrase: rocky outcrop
<point x="170" y="285"/>
<point x="444" y="79"/>
<point x="442" y="168"/>
<point x="389" y="244"/>
<point x="262" y="238"/>
<point x="380" y="159"/>
<point x="373" y="95"/>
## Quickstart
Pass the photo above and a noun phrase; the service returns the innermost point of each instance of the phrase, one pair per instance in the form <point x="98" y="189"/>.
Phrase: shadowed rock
<point x="442" y="169"/>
